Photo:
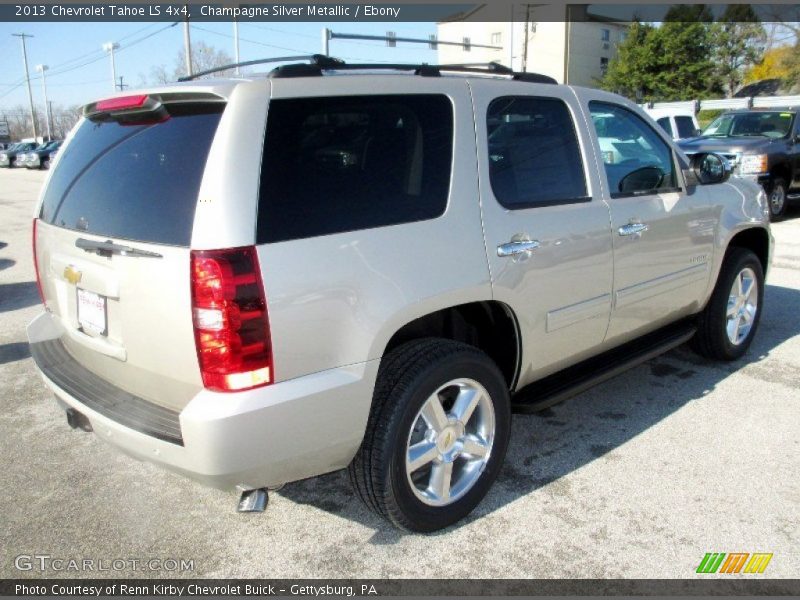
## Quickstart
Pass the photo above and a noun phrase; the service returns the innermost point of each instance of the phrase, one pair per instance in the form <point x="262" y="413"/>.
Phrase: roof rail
<point x="317" y="63"/>
<point x="424" y="70"/>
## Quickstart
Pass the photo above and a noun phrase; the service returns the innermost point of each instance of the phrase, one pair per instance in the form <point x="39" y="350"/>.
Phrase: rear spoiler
<point x="143" y="108"/>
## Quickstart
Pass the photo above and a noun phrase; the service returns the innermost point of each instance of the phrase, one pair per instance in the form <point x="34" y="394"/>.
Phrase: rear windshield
<point x="135" y="182"/>
<point x="345" y="163"/>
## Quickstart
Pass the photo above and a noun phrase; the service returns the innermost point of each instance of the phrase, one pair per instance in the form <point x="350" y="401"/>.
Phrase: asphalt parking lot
<point x="637" y="478"/>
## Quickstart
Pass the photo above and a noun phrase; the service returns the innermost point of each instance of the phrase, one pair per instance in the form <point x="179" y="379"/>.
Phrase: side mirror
<point x="697" y="132"/>
<point x="707" y="168"/>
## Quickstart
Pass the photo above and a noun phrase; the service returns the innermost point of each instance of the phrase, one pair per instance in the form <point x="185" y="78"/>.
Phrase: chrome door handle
<point x="515" y="248"/>
<point x="633" y="229"/>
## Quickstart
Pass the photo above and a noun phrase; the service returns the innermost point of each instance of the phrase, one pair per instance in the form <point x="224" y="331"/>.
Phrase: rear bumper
<point x="258" y="438"/>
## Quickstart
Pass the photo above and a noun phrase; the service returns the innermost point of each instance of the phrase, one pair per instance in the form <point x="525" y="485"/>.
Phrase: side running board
<point x="579" y="378"/>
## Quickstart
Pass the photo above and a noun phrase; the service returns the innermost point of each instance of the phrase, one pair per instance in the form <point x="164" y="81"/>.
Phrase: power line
<point x="89" y="62"/>
<point x="251" y="41"/>
<point x="278" y="47"/>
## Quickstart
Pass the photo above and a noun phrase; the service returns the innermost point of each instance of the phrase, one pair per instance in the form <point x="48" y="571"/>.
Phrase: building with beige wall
<point x="576" y="52"/>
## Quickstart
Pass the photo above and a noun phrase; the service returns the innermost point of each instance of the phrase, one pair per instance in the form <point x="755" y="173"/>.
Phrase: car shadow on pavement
<point x="548" y="445"/>
<point x="14" y="351"/>
<point x="14" y="296"/>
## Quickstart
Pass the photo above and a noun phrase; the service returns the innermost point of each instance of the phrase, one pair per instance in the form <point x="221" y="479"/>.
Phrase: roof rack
<point x="317" y="63"/>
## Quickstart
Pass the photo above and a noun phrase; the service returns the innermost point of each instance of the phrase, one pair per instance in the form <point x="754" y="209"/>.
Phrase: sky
<point x="80" y="71"/>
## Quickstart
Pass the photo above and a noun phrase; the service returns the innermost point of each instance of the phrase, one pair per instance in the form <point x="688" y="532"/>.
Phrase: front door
<point x="663" y="236"/>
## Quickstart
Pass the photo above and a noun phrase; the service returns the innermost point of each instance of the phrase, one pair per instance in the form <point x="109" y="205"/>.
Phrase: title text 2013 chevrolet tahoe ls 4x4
<point x="253" y="281"/>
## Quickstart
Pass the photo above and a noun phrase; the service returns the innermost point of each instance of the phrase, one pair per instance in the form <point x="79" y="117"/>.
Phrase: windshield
<point x="761" y="124"/>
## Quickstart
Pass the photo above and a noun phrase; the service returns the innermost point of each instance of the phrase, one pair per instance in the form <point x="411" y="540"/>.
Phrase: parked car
<point x="8" y="158"/>
<point x="678" y="123"/>
<point x="374" y="281"/>
<point x="761" y="145"/>
<point x="40" y="157"/>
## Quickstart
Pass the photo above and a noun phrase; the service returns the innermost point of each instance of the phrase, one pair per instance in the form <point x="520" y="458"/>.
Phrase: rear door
<point x="113" y="237"/>
<point x="546" y="224"/>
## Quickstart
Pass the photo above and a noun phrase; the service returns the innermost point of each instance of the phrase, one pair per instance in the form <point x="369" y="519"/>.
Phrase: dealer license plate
<point x="92" y="311"/>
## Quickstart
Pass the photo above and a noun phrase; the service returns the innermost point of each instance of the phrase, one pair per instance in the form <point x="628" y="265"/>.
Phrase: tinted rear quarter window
<point x="134" y="182"/>
<point x="534" y="155"/>
<point x="345" y="163"/>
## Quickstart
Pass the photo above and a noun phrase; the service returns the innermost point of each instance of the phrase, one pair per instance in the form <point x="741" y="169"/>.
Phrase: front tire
<point x="776" y="198"/>
<point x="728" y="324"/>
<point x="436" y="437"/>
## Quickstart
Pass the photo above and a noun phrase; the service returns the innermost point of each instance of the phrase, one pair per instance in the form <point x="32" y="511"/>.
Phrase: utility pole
<point x="511" y="40"/>
<point x="525" y="39"/>
<point x="22" y="36"/>
<point x="187" y="47"/>
<point x="122" y="86"/>
<point x="326" y="41"/>
<point x="110" y="47"/>
<point x="42" y="69"/>
<point x="236" y="46"/>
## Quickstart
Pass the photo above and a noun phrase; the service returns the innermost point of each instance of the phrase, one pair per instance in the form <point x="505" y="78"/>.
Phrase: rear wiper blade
<point x="108" y="248"/>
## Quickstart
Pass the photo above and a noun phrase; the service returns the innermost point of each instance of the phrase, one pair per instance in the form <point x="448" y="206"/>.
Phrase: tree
<point x="774" y="65"/>
<point x="19" y="120"/>
<point x="670" y="62"/>
<point x="204" y="57"/>
<point x="791" y="63"/>
<point x="629" y="72"/>
<point x="738" y="40"/>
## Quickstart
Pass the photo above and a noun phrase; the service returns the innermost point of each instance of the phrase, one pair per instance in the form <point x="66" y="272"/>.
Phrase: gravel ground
<point x="637" y="478"/>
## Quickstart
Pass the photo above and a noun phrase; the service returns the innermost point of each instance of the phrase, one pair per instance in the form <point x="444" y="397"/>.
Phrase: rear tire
<point x="436" y="437"/>
<point x="729" y="322"/>
<point x="776" y="199"/>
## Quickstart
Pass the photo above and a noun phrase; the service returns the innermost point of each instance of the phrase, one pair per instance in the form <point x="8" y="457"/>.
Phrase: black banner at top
<point x="403" y="10"/>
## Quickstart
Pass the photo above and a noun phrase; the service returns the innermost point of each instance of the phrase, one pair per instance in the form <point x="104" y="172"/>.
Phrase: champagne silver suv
<point x="253" y="281"/>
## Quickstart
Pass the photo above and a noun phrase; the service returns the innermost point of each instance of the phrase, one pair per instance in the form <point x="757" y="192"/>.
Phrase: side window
<point x="345" y="163"/>
<point x="636" y="159"/>
<point x="665" y="125"/>
<point x="685" y="127"/>
<point x="534" y="155"/>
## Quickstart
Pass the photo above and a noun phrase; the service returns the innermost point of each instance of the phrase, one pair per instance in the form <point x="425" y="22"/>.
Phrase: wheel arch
<point x="782" y="170"/>
<point x="755" y="239"/>
<point x="489" y="325"/>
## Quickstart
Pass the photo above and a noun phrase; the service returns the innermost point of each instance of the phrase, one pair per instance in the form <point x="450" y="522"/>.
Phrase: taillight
<point x="36" y="263"/>
<point x="229" y="311"/>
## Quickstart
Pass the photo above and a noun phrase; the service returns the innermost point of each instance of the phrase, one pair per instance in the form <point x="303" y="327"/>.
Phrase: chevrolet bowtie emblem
<point x="72" y="275"/>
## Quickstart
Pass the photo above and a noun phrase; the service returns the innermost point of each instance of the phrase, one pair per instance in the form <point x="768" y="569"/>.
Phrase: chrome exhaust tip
<point x="253" y="501"/>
